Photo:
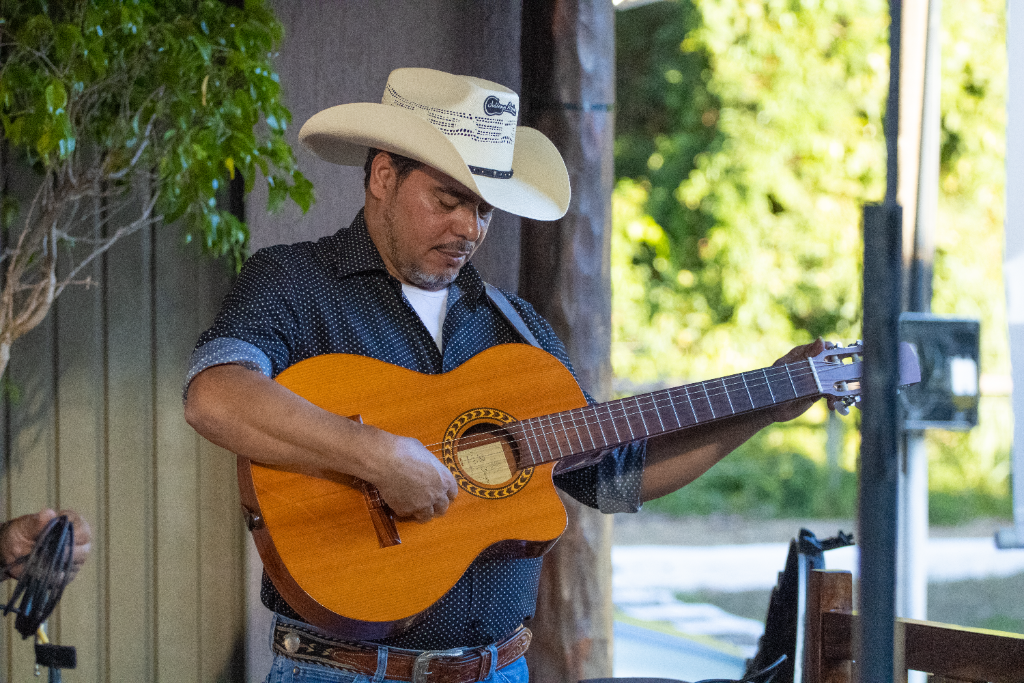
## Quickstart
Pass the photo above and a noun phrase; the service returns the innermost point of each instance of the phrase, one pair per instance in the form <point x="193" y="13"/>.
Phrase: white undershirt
<point x="431" y="307"/>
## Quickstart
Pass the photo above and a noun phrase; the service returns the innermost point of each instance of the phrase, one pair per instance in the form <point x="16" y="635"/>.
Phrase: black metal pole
<point x="892" y="105"/>
<point x="880" y="438"/>
<point x="880" y="428"/>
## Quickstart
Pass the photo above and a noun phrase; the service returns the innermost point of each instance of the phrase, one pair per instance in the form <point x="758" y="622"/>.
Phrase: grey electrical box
<point x="948" y="351"/>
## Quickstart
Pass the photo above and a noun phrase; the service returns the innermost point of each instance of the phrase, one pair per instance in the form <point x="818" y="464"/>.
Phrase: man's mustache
<point x="464" y="246"/>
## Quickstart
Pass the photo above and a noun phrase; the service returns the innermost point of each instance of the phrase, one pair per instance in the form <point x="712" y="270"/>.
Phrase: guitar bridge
<point x="382" y="517"/>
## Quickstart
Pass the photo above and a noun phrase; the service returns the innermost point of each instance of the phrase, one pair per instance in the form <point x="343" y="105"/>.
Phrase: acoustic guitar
<point x="500" y="423"/>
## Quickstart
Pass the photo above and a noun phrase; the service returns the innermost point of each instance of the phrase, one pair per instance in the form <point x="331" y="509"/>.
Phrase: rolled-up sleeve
<point x="222" y="351"/>
<point x="611" y="485"/>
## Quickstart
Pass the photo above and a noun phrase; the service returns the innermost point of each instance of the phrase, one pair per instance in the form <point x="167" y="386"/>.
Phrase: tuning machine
<point x="843" y="405"/>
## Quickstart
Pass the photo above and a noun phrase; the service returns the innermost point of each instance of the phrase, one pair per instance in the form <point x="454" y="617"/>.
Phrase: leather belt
<point x="431" y="666"/>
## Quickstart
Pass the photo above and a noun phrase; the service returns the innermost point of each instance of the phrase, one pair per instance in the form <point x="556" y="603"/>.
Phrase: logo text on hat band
<point x="494" y="107"/>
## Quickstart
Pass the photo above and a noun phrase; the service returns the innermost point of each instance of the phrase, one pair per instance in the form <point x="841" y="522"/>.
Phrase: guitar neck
<point x="598" y="427"/>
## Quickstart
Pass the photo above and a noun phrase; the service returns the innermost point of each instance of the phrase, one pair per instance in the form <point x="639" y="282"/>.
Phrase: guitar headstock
<point x="840" y="368"/>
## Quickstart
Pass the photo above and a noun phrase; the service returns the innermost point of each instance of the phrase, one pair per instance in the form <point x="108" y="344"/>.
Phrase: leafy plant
<point x="132" y="113"/>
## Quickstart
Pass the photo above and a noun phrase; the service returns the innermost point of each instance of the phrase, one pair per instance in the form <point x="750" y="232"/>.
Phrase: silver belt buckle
<point x="419" y="667"/>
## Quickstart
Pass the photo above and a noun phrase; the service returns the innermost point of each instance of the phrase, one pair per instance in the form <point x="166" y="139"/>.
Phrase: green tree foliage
<point x="970" y="470"/>
<point x="110" y="100"/>
<point x="749" y="136"/>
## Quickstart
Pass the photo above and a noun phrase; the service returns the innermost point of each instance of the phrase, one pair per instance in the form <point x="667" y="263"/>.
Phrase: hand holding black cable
<point x="46" y="571"/>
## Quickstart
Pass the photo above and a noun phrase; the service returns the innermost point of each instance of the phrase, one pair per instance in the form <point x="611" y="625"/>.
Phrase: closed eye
<point x="449" y="200"/>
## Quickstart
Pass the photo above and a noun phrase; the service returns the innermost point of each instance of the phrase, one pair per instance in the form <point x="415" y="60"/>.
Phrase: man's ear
<point x="383" y="176"/>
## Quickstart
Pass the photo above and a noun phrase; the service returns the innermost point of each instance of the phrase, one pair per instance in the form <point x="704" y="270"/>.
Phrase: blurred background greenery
<point x="749" y="135"/>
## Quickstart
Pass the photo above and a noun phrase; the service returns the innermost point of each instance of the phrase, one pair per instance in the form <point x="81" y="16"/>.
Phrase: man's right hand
<point x="416" y="484"/>
<point x="248" y="413"/>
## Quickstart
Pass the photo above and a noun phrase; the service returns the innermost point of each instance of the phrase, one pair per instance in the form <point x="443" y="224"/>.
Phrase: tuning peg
<point x="842" y="406"/>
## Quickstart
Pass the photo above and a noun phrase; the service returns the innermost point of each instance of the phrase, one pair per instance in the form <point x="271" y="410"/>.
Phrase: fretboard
<point x="601" y="426"/>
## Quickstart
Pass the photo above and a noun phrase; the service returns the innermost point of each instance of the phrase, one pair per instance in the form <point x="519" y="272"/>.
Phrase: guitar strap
<point x="510" y="314"/>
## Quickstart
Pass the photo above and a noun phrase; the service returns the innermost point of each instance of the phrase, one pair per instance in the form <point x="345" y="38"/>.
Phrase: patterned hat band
<point x="490" y="172"/>
<point x="482" y="127"/>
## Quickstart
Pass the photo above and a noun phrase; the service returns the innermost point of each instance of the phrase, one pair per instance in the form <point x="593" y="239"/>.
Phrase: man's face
<point x="432" y="224"/>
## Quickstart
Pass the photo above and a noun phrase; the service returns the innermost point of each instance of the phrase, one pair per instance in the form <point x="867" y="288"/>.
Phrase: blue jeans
<point x="287" y="670"/>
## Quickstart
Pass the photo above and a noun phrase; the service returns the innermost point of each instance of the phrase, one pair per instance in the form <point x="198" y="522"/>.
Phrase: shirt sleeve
<point x="260" y="309"/>
<point x="256" y="322"/>
<point x="612" y="484"/>
<point x="221" y="351"/>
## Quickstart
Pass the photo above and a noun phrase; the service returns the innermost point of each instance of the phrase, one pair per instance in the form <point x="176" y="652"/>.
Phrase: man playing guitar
<point x="441" y="153"/>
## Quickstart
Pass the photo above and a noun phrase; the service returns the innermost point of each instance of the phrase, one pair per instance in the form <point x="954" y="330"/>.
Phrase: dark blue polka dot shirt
<point x="292" y="302"/>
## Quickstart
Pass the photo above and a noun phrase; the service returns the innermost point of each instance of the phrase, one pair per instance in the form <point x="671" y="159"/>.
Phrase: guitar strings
<point x="535" y="431"/>
<point x="539" y="428"/>
<point x="542" y="430"/>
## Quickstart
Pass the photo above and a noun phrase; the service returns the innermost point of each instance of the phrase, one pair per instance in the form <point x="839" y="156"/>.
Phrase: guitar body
<point x="336" y="555"/>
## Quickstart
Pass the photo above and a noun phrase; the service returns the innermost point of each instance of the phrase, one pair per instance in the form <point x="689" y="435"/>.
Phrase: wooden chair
<point x="952" y="654"/>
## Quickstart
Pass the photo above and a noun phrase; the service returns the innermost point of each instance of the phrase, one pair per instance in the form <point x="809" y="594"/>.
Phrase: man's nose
<point x="469" y="223"/>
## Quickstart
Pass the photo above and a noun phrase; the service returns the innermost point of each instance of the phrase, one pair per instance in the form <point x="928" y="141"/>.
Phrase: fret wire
<point x="590" y="433"/>
<point x="768" y="382"/>
<point x="518" y="432"/>
<point x="576" y="426"/>
<point x="696" y="420"/>
<point x="749" y="396"/>
<point x="554" y="432"/>
<point x="657" y="411"/>
<point x="790" y="374"/>
<point x="537" y="449"/>
<point x="672" y="402"/>
<point x="531" y="432"/>
<point x="566" y="425"/>
<point x="590" y="427"/>
<point x="568" y="421"/>
<point x="585" y="411"/>
<point x="640" y="410"/>
<point x="705" y="388"/>
<point x="611" y="419"/>
<point x="629" y="425"/>
<point x="540" y="434"/>
<point x="732" y="409"/>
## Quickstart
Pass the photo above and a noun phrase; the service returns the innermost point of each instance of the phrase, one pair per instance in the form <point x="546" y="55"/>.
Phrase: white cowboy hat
<point x="464" y="127"/>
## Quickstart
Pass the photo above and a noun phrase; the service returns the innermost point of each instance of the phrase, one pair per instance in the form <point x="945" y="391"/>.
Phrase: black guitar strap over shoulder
<point x="510" y="314"/>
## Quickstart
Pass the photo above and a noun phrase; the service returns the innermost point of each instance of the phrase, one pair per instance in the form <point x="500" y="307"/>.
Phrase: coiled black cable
<point x="48" y="570"/>
<point x="765" y="675"/>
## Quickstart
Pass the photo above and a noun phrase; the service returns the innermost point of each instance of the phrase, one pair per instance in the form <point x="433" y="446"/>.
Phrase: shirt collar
<point x="353" y="252"/>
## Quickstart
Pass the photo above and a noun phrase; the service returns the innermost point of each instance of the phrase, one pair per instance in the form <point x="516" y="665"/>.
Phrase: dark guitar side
<point x="315" y="534"/>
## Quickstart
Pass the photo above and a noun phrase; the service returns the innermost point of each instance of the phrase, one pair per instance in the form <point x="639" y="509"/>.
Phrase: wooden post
<point x="827" y="592"/>
<point x="568" y="89"/>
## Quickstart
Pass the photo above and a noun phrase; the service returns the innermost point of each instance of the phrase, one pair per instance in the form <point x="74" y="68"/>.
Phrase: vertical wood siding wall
<point x="98" y="427"/>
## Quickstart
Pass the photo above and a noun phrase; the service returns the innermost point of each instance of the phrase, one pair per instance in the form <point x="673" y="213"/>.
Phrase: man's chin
<point x="431" y="281"/>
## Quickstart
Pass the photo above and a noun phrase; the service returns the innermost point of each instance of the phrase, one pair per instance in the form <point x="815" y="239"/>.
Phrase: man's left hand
<point x="788" y="411"/>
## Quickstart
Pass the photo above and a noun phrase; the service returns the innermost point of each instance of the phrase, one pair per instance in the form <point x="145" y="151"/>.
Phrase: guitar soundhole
<point x="485" y="455"/>
<point x="481" y="454"/>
